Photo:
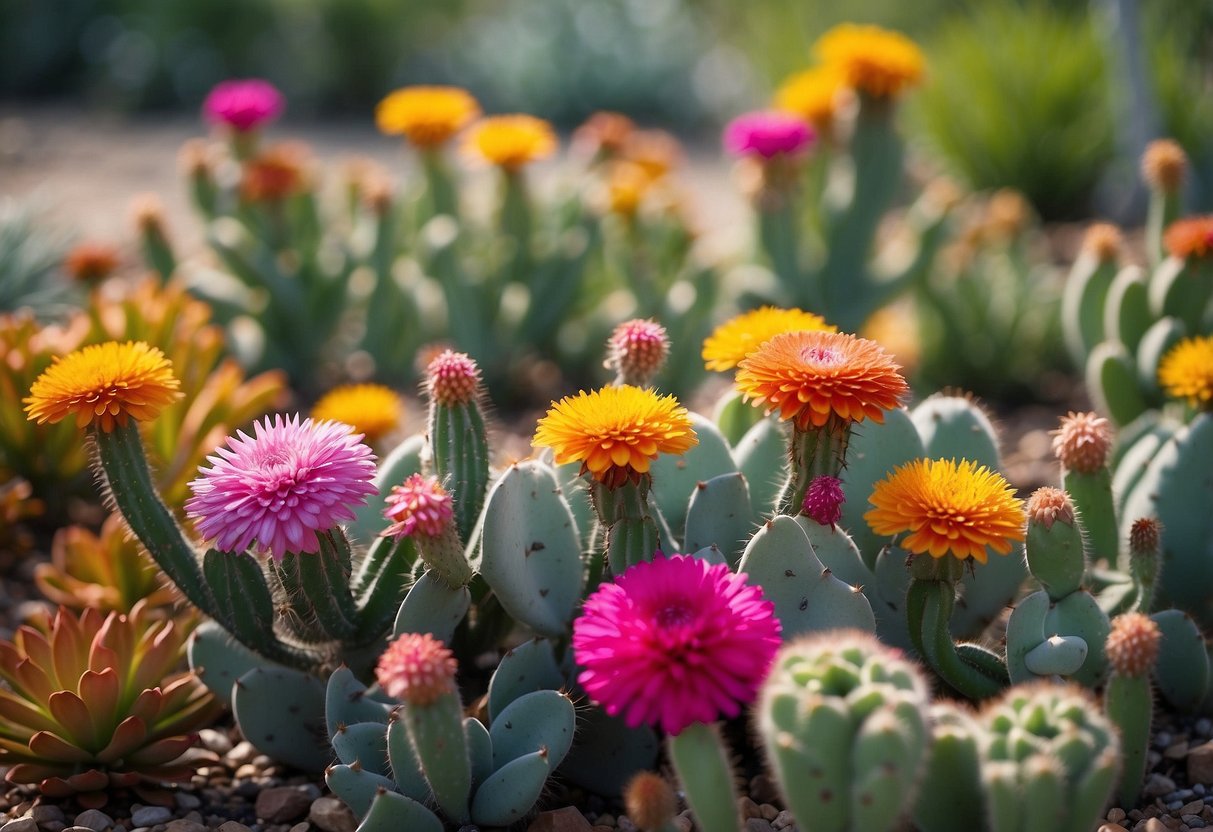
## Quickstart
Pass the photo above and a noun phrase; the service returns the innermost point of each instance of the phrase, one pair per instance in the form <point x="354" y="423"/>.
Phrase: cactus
<point x="1182" y="673"/>
<point x="1132" y="649"/>
<point x="490" y="776"/>
<point x="1049" y="760"/>
<point x="1059" y="631"/>
<point x="950" y="798"/>
<point x="844" y="723"/>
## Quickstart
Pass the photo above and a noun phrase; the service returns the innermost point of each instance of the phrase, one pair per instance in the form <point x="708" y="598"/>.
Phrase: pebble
<point x="187" y="801"/>
<point x="185" y="825"/>
<point x="151" y="815"/>
<point x="783" y="820"/>
<point x="1177" y="751"/>
<point x="94" y="819"/>
<point x="20" y="825"/>
<point x="1158" y="785"/>
<point x="683" y="824"/>
<point x="216" y="741"/>
<point x="748" y="808"/>
<point x="1116" y="815"/>
<point x="568" y="819"/>
<point x="1112" y="827"/>
<point x="1162" y="739"/>
<point x="331" y="815"/>
<point x="301" y="826"/>
<point x="232" y="826"/>
<point x="282" y="805"/>
<point x="758" y="825"/>
<point x="1192" y="808"/>
<point x="1200" y="764"/>
<point x="242" y="753"/>
<point x="1193" y="821"/>
<point x="47" y="813"/>
<point x="1155" y="825"/>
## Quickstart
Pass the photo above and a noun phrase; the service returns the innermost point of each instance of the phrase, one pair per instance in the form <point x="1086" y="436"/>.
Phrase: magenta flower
<point x="280" y="486"/>
<point x="767" y="134"/>
<point x="675" y="641"/>
<point x="823" y="500"/>
<point x="243" y="104"/>
<point x="419" y="506"/>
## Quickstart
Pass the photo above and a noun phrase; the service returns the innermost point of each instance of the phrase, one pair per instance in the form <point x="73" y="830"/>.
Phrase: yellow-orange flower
<point x="104" y="384"/>
<point x="813" y="377"/>
<point x="813" y="94"/>
<point x="626" y="186"/>
<point x="738" y="337"/>
<point x="1186" y="371"/>
<point x="511" y="141"/>
<point x="1191" y="237"/>
<point x="615" y="432"/>
<point x="426" y="116"/>
<point x="657" y="151"/>
<point x="877" y="62"/>
<point x="370" y="409"/>
<point x="947" y="507"/>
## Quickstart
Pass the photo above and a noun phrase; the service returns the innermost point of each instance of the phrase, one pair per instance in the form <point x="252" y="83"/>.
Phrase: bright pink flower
<point x="281" y="486"/>
<point x="675" y="641"/>
<point x="823" y="500"/>
<point x="420" y="505"/>
<point x="243" y="104"/>
<point x="767" y="134"/>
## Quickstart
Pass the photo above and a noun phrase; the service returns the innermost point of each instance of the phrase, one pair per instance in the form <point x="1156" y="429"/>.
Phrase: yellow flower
<point x="813" y="94"/>
<point x="511" y="141"/>
<point x="615" y="432"/>
<point x="877" y="62"/>
<point x="370" y="409"/>
<point x="104" y="383"/>
<point x="814" y="377"/>
<point x="737" y="337"/>
<point x="426" y="116"/>
<point x="948" y="507"/>
<point x="1186" y="371"/>
<point x="626" y="187"/>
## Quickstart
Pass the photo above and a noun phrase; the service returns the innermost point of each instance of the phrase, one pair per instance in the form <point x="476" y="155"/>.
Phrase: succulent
<point x="95" y="702"/>
<point x="844" y="723"/>
<point x="32" y="280"/>
<point x="1049" y="760"/>
<point x="1132" y="649"/>
<point x="395" y="760"/>
<point x="108" y="571"/>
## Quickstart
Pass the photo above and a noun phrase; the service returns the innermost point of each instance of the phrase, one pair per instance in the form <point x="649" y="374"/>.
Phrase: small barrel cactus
<point x="1049" y="760"/>
<point x="843" y="719"/>
<point x="95" y="703"/>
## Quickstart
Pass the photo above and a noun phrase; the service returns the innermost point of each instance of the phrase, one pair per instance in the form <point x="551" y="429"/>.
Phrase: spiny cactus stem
<point x="438" y="183"/>
<point x="324" y="579"/>
<point x="929" y="606"/>
<point x="1144" y="567"/>
<point x="121" y="459"/>
<point x="461" y="459"/>
<point x="702" y="764"/>
<point x="813" y="453"/>
<point x="1091" y="494"/>
<point x="1129" y="702"/>
<point x="435" y="731"/>
<point x="627" y="522"/>
<point x="381" y="583"/>
<point x="777" y="221"/>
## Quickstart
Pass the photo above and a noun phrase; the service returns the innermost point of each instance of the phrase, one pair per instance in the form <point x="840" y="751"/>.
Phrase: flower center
<point x="675" y="615"/>
<point x="822" y="356"/>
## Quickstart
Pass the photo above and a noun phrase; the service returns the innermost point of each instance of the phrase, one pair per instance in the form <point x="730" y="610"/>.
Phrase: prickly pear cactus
<point x="844" y="722"/>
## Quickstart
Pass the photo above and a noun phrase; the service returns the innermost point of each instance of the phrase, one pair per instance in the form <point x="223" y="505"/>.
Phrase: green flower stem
<point x="1129" y="703"/>
<point x="122" y="462"/>
<point x="440" y="187"/>
<point x="626" y="521"/>
<point x="778" y="237"/>
<point x="813" y="453"/>
<point x="1092" y="497"/>
<point x="702" y="764"/>
<point x="972" y="671"/>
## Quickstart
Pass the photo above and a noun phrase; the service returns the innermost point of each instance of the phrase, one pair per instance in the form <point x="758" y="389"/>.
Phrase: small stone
<point x="783" y="820"/>
<point x="1116" y="815"/>
<point x="1112" y="827"/>
<point x="151" y="815"/>
<point x="1154" y="825"/>
<point x="185" y="825"/>
<point x="1200" y="764"/>
<point x="331" y="815"/>
<point x="758" y="825"/>
<point x="233" y="826"/>
<point x="94" y="819"/>
<point x="187" y="801"/>
<point x="216" y="741"/>
<point x="626" y="825"/>
<point x="769" y="812"/>
<point x="47" y="813"/>
<point x="606" y="820"/>
<point x="242" y="752"/>
<point x="1193" y="821"/>
<point x="610" y="829"/>
<point x="763" y="790"/>
<point x="683" y="824"/>
<point x="1162" y="739"/>
<point x="52" y="826"/>
<point x="1204" y="726"/>
<point x="748" y="808"/>
<point x="20" y="825"/>
<point x="284" y="804"/>
<point x="1198" y="789"/>
<point x="1192" y="808"/>
<point x="568" y="819"/>
<point x="301" y="826"/>
<point x="246" y="771"/>
<point x="1157" y="785"/>
<point x="1176" y="751"/>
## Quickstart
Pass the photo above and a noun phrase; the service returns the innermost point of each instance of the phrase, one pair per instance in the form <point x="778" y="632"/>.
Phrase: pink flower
<point x="243" y="104"/>
<point x="823" y="500"/>
<point x="420" y="505"/>
<point x="767" y="134"/>
<point x="675" y="641"/>
<point x="281" y="486"/>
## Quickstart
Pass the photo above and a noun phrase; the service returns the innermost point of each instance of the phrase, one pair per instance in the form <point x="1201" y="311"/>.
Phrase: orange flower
<point x="878" y="62"/>
<point x="278" y="173"/>
<point x="511" y="141"/>
<point x="810" y="377"/>
<point x="1191" y="237"/>
<point x="603" y="134"/>
<point x="814" y="94"/>
<point x="656" y="151"/>
<point x="948" y="507"/>
<point x="89" y="262"/>
<point x="740" y="336"/>
<point x="615" y="432"/>
<point x="426" y="116"/>
<point x="104" y="383"/>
